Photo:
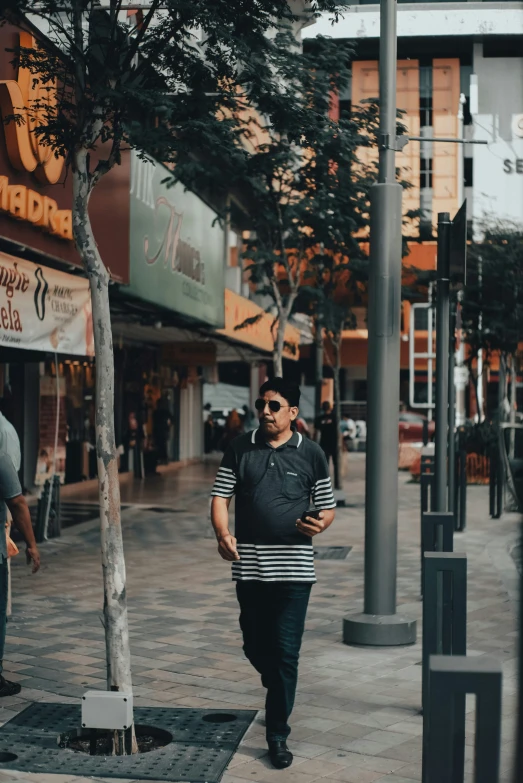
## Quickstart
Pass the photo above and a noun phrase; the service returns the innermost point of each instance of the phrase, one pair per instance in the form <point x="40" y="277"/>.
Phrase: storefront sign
<point x="199" y="354"/>
<point x="42" y="309"/>
<point x="36" y="188"/>
<point x="259" y="334"/>
<point x="27" y="205"/>
<point x="177" y="247"/>
<point x="513" y="166"/>
<point x="26" y="150"/>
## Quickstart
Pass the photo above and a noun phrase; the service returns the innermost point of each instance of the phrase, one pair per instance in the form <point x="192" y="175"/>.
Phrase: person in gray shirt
<point x="11" y="494"/>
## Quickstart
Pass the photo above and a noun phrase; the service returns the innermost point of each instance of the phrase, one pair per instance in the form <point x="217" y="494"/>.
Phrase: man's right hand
<point x="227" y="548"/>
<point x="33" y="556"/>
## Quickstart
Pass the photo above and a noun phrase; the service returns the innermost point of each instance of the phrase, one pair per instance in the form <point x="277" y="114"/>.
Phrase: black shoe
<point x="9" y="688"/>
<point x="279" y="754"/>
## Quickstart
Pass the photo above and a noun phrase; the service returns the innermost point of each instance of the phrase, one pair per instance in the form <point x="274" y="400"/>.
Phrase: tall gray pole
<point x="379" y="624"/>
<point x="452" y="415"/>
<point x="442" y="361"/>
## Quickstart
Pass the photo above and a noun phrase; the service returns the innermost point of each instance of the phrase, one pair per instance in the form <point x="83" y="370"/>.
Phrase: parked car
<point x="411" y="427"/>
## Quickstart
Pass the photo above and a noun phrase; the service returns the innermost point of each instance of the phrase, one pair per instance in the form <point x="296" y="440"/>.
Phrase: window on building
<point x="345" y="108"/>
<point x="425" y="172"/>
<point x="425" y="95"/>
<point x="468" y="172"/>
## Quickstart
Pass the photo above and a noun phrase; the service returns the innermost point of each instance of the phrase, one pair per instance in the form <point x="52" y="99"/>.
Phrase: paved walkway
<point x="357" y="714"/>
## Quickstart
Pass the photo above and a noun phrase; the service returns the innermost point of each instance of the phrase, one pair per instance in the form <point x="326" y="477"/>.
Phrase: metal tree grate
<point x="203" y="743"/>
<point x="331" y="552"/>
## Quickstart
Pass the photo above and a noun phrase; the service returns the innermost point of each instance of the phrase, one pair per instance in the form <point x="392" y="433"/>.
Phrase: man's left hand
<point x="33" y="557"/>
<point x="312" y="526"/>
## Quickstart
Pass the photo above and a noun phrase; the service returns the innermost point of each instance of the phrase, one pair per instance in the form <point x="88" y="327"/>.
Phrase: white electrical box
<point x="107" y="710"/>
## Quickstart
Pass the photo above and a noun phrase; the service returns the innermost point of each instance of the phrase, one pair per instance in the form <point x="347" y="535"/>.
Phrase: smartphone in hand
<point x="314" y="513"/>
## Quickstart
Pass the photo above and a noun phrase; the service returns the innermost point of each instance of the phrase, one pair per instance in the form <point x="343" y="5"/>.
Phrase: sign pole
<point x="452" y="414"/>
<point x="442" y="362"/>
<point x="379" y="625"/>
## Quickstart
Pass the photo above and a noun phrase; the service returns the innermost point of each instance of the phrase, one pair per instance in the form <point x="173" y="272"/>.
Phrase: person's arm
<point x="314" y="526"/>
<point x="220" y="522"/>
<point x="323" y="499"/>
<point x="222" y="494"/>
<point x="22" y="520"/>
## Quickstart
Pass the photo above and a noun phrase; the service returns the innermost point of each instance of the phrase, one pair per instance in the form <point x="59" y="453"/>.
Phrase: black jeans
<point x="272" y="619"/>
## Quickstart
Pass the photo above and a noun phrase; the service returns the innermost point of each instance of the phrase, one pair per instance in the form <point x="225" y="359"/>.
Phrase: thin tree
<point x="492" y="321"/>
<point x="307" y="181"/>
<point x="492" y="312"/>
<point x="172" y="81"/>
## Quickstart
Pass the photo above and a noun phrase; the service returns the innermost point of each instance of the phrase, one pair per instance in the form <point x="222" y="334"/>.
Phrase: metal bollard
<point x="427" y="491"/>
<point x="496" y="483"/>
<point x="444" y="630"/>
<point x="444" y="608"/>
<point x="450" y="679"/>
<point x="461" y="495"/>
<point x="437" y="535"/>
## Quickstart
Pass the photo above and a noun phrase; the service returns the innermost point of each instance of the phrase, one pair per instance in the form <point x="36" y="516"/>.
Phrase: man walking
<point x="325" y="425"/>
<point x="274" y="472"/>
<point x="11" y="493"/>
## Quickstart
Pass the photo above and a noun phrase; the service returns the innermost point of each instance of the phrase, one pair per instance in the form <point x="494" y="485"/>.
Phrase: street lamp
<point x="379" y="625"/>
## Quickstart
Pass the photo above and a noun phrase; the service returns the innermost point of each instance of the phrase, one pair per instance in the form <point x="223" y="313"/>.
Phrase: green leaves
<point x="493" y="297"/>
<point x="171" y="80"/>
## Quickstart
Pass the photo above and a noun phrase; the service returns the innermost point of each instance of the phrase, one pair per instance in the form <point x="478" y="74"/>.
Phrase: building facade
<point x="178" y="292"/>
<point x="459" y="75"/>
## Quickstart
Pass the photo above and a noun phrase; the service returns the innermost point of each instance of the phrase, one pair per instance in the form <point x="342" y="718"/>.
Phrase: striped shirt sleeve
<point x="225" y="482"/>
<point x="322" y="495"/>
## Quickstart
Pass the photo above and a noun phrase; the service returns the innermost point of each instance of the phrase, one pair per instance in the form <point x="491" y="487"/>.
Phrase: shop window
<point x="345" y="108"/>
<point x="468" y="169"/>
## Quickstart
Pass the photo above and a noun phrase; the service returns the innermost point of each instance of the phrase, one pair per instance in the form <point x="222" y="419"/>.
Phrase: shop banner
<point x="42" y="309"/>
<point x="177" y="246"/>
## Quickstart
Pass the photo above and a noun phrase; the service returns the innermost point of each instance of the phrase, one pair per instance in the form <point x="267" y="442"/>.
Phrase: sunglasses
<point x="274" y="405"/>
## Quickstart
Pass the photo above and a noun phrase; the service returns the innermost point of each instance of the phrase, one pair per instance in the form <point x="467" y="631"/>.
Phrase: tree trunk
<point x="318" y="372"/>
<point x="336" y="344"/>
<point x="502" y="387"/>
<point x="277" y="356"/>
<point x="279" y="344"/>
<point x="113" y="562"/>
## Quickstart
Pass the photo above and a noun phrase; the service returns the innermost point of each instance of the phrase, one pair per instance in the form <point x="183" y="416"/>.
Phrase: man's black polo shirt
<point x="273" y="488"/>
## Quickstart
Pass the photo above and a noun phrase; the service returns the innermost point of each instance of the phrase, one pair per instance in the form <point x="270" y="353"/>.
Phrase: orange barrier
<point x="478" y="469"/>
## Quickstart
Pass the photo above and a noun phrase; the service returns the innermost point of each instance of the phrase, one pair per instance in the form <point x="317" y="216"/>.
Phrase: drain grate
<point x="331" y="552"/>
<point x="204" y="742"/>
<point x="165" y="510"/>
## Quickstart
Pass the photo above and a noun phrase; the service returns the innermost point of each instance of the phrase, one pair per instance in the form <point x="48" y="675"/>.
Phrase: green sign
<point x="177" y="247"/>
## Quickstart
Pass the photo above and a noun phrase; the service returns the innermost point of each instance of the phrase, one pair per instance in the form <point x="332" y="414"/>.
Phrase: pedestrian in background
<point x="162" y="429"/>
<point x="10" y="443"/>
<point x="274" y="472"/>
<point x="249" y="419"/>
<point x="11" y="494"/>
<point x="325" y="426"/>
<point x="233" y="427"/>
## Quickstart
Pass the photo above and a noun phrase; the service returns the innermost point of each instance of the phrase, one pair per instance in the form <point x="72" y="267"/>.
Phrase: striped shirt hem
<point x="274" y="563"/>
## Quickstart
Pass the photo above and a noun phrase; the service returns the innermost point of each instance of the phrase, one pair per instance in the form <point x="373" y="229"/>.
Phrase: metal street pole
<point x="452" y="415"/>
<point x="442" y="361"/>
<point x="379" y="624"/>
<point x="461" y="385"/>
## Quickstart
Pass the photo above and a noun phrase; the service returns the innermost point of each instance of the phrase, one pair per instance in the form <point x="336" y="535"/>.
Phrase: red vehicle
<point x="411" y="427"/>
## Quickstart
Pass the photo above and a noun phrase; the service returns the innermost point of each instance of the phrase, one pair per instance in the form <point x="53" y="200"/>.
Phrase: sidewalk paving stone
<point x="356" y="718"/>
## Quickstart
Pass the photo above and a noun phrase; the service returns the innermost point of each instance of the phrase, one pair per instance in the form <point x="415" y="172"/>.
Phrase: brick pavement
<point x="357" y="712"/>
